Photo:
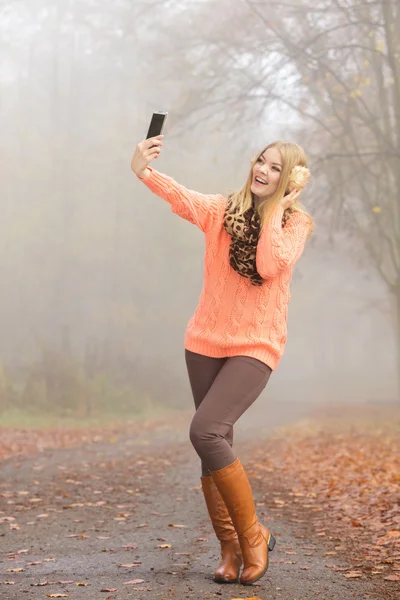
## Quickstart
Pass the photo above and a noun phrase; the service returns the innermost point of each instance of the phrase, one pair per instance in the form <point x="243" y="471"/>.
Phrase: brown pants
<point x="223" y="389"/>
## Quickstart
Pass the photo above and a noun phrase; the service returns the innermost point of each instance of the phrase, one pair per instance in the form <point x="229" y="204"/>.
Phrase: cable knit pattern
<point x="234" y="317"/>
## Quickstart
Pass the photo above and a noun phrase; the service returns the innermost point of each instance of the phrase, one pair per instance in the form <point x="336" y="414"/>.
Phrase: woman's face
<point x="267" y="173"/>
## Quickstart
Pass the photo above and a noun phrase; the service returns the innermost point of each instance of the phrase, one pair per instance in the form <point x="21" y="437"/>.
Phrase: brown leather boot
<point x="231" y="556"/>
<point x="255" y="540"/>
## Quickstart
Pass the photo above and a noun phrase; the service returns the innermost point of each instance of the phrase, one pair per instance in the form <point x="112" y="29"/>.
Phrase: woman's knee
<point x="201" y="434"/>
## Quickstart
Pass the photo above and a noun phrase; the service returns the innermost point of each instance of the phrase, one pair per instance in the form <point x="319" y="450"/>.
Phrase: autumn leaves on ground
<point x="343" y="473"/>
<point x="334" y="477"/>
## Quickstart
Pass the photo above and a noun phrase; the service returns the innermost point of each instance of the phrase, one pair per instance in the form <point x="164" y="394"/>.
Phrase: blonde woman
<point x="237" y="335"/>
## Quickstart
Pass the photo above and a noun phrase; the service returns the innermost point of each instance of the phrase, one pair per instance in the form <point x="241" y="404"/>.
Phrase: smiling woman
<point x="237" y="334"/>
<point x="270" y="181"/>
<point x="266" y="174"/>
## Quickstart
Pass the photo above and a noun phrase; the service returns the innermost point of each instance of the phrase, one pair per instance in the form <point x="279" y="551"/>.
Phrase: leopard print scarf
<point x="245" y="231"/>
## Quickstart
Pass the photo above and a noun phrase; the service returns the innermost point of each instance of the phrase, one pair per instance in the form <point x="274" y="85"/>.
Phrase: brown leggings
<point x="223" y="389"/>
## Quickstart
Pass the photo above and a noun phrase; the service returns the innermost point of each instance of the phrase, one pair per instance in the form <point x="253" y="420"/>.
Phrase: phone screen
<point x="156" y="124"/>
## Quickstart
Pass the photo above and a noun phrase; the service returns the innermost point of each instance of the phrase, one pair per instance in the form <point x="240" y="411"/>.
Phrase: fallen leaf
<point x="9" y="582"/>
<point x="80" y="584"/>
<point x="19" y="570"/>
<point x="392" y="578"/>
<point x="130" y="565"/>
<point x="356" y="524"/>
<point x="165" y="545"/>
<point x="134" y="582"/>
<point x="109" y="590"/>
<point x="57" y="595"/>
<point x="173" y="525"/>
<point x="393" y="533"/>
<point x="353" y="574"/>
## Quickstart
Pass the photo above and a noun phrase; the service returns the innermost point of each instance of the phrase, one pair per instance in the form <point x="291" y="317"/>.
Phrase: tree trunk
<point x="397" y="306"/>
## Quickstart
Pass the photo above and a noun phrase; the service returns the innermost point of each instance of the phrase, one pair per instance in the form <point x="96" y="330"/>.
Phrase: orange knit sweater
<point x="233" y="316"/>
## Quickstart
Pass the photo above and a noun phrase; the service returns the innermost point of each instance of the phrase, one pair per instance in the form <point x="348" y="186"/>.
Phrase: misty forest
<point x="99" y="277"/>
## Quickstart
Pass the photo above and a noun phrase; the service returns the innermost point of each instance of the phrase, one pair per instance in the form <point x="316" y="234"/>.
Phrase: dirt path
<point x="77" y="515"/>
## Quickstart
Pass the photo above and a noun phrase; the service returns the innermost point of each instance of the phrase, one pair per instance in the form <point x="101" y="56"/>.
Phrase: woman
<point x="238" y="332"/>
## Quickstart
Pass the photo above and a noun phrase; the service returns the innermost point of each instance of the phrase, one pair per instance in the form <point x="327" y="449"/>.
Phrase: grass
<point x="378" y="419"/>
<point x="19" y="419"/>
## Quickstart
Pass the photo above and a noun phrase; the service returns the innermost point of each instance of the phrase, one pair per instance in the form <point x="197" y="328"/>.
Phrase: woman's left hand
<point x="288" y="200"/>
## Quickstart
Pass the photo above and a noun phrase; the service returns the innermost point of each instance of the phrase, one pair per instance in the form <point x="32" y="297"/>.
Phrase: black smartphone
<point x="156" y="124"/>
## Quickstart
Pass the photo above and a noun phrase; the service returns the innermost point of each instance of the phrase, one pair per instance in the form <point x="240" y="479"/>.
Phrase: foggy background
<point x="98" y="277"/>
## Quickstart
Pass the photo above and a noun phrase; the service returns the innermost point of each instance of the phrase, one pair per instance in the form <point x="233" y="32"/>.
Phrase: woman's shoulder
<point x="300" y="219"/>
<point x="220" y="200"/>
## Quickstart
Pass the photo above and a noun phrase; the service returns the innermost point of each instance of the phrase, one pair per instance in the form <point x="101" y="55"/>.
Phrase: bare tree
<point x="333" y="68"/>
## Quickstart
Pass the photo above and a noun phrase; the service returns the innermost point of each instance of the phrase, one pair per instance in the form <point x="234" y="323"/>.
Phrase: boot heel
<point x="271" y="543"/>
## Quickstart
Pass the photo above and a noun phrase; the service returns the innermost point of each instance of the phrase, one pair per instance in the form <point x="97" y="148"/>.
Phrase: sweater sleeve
<point x="279" y="248"/>
<point x="200" y="209"/>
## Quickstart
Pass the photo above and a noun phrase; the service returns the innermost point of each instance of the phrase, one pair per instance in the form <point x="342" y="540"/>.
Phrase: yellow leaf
<point x="377" y="209"/>
<point x="394" y="533"/>
<point x="15" y="570"/>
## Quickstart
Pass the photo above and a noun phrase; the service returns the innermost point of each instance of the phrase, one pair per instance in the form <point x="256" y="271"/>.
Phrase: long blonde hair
<point x="292" y="155"/>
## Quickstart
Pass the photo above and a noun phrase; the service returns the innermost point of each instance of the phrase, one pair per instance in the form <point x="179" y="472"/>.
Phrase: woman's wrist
<point x="144" y="174"/>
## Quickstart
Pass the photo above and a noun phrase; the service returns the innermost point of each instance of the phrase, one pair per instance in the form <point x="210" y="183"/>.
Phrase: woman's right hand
<point x="144" y="154"/>
<point x="288" y="200"/>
